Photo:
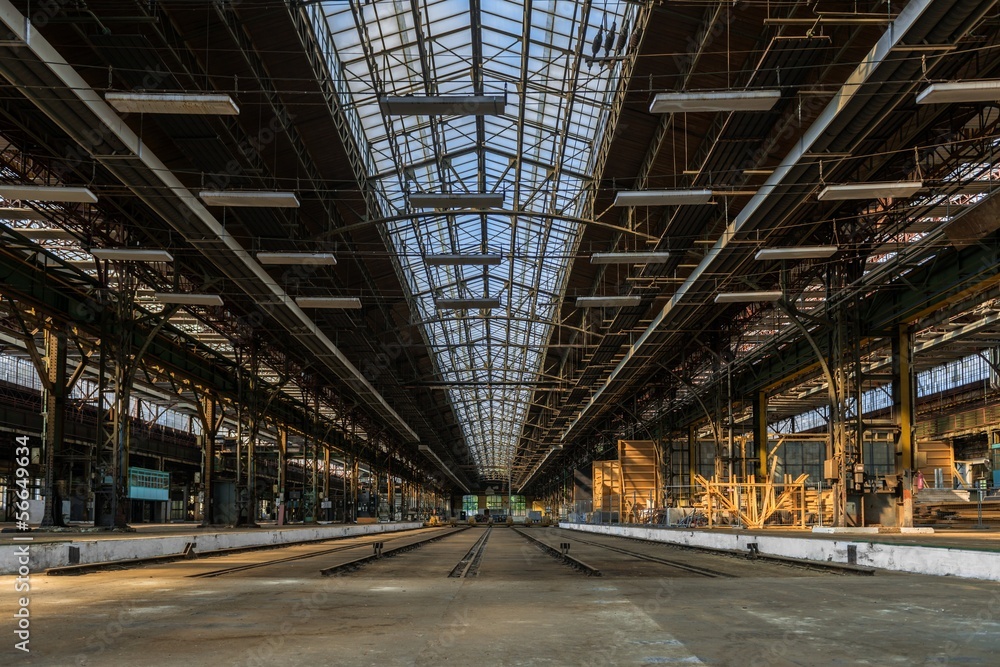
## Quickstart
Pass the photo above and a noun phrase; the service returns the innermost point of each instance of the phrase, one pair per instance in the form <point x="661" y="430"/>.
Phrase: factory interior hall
<point x="483" y="332"/>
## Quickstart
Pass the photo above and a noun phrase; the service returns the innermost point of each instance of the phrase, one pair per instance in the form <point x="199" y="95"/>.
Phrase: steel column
<point x="54" y="401"/>
<point x="692" y="458"/>
<point x="210" y="428"/>
<point x="760" y="433"/>
<point x="282" y="471"/>
<point x="903" y="399"/>
<point x="326" y="479"/>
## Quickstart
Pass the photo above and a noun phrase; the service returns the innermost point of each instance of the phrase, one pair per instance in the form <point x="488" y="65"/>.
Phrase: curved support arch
<point x="836" y="422"/>
<point x="716" y="435"/>
<point x="793" y="316"/>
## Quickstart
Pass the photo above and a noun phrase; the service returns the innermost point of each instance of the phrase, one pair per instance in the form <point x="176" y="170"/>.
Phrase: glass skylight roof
<point x="540" y="153"/>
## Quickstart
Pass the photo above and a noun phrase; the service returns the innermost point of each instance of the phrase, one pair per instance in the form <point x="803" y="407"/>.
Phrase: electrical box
<point x="859" y="476"/>
<point x="831" y="470"/>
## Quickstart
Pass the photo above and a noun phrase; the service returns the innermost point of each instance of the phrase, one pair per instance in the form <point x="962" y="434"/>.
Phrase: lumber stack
<point x="814" y="505"/>
<point x="753" y="503"/>
<point x="957" y="513"/>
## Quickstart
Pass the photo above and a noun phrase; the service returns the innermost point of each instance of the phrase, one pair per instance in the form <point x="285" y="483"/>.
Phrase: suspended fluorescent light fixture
<point x="457" y="304"/>
<point x="878" y="190"/>
<point x="800" y="252"/>
<point x="747" y="297"/>
<point x="456" y="200"/>
<point x="7" y="213"/>
<point x="132" y="254"/>
<point x="661" y="197"/>
<point x="56" y="193"/>
<point x="629" y="257"/>
<point x="297" y="258"/>
<point x="185" y="299"/>
<point x="329" y="302"/>
<point x="960" y="91"/>
<point x="173" y="103"/>
<point x="45" y="233"/>
<point x="443" y="105"/>
<point x="607" y="301"/>
<point x="250" y="198"/>
<point x="463" y="260"/>
<point x="727" y="100"/>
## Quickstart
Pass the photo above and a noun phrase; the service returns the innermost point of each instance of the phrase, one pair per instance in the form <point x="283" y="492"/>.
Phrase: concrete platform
<point x="967" y="554"/>
<point x="55" y="549"/>
<point x="523" y="608"/>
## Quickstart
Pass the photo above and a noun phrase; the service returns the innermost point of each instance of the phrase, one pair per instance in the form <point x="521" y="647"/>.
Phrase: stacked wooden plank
<point x="960" y="513"/>
<point x="815" y="500"/>
<point x="754" y="504"/>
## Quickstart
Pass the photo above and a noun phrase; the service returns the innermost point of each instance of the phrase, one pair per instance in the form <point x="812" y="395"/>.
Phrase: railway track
<point x="469" y="565"/>
<point x="564" y="555"/>
<point x="754" y="554"/>
<point x="380" y="551"/>
<point x="189" y="553"/>
<point x="288" y="559"/>
<point x="687" y="567"/>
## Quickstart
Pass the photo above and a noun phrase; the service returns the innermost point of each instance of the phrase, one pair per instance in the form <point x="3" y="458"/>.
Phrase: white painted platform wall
<point x="56" y="554"/>
<point x="943" y="561"/>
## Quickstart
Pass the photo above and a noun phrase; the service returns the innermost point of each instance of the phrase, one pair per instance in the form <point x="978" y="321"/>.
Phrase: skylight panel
<point x="544" y="242"/>
<point x="493" y="21"/>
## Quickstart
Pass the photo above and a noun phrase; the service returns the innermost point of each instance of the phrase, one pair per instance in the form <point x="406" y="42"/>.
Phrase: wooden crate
<point x="939" y="455"/>
<point x="607" y="477"/>
<point x="640" y="477"/>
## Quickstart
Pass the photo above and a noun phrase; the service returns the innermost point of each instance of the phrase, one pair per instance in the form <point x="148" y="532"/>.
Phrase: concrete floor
<point x="523" y="608"/>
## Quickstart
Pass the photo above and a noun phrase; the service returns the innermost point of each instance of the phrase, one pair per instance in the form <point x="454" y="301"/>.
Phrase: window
<point x="494" y="503"/>
<point x="795" y="458"/>
<point x="470" y="504"/>
<point x="146" y="484"/>
<point x="706" y="459"/>
<point x="880" y="458"/>
<point x="952" y="375"/>
<point x="518" y="507"/>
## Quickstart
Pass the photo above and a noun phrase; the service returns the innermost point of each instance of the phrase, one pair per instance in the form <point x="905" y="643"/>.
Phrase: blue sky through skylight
<point x="540" y="153"/>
